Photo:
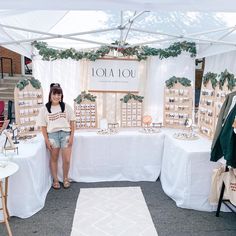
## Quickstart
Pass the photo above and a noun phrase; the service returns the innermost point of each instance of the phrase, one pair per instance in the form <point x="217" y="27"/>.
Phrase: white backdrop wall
<point x="220" y="62"/>
<point x="73" y="77"/>
<point x="158" y="71"/>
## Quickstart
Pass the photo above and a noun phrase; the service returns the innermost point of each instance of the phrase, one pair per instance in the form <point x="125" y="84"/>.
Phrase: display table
<point x="28" y="187"/>
<point x="128" y="155"/>
<point x="185" y="167"/>
<point x="186" y="172"/>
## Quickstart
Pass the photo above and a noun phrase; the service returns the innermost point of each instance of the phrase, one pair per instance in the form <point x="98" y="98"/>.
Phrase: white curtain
<point x="158" y="71"/>
<point x="220" y="62"/>
<point x="65" y="72"/>
<point x="73" y="77"/>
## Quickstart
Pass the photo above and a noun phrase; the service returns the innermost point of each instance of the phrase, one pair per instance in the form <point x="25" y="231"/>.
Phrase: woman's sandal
<point x="56" y="185"/>
<point x="66" y="183"/>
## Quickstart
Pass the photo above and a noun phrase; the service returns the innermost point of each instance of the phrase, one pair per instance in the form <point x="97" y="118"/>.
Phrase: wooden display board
<point x="86" y="115"/>
<point x="207" y="111"/>
<point x="131" y="113"/>
<point x="178" y="105"/>
<point x="211" y="101"/>
<point x="28" y="102"/>
<point x="220" y="98"/>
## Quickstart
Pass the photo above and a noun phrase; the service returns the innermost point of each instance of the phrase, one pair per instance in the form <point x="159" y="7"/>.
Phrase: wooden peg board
<point x="28" y="102"/>
<point x="131" y="113"/>
<point x="178" y="105"/>
<point x="207" y="111"/>
<point x="220" y="98"/>
<point x="211" y="102"/>
<point x="86" y="115"/>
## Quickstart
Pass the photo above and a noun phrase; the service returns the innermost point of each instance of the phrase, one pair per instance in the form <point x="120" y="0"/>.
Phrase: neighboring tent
<point x="63" y="25"/>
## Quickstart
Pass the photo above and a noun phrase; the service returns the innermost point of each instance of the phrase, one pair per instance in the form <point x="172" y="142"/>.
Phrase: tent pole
<point x="151" y="42"/>
<point x="212" y="31"/>
<point x="27" y="30"/>
<point x="121" y="28"/>
<point x="56" y="36"/>
<point x="153" y="32"/>
<point x="131" y="22"/>
<point x="133" y="18"/>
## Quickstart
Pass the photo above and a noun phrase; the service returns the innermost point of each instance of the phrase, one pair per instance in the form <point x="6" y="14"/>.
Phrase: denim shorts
<point x="59" y="139"/>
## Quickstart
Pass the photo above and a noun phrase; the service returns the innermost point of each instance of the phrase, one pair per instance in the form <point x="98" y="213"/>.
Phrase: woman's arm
<point x="72" y="128"/>
<point x="45" y="135"/>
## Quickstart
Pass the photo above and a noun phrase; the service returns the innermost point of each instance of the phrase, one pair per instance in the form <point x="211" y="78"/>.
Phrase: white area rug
<point x="112" y="212"/>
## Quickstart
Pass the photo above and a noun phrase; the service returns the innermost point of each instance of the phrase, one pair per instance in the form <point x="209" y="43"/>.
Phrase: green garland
<point x="85" y="96"/>
<point x="24" y="82"/>
<point x="142" y="53"/>
<point x="173" y="80"/>
<point x="130" y="96"/>
<point x="230" y="80"/>
<point x="209" y="76"/>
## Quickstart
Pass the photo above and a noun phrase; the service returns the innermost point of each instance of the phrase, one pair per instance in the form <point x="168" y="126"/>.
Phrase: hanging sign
<point x="114" y="75"/>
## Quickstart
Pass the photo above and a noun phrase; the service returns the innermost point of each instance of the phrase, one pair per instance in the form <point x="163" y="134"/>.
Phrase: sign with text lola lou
<point x="114" y="75"/>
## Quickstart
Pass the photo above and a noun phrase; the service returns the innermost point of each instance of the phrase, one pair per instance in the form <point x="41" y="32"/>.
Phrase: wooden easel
<point x="11" y="145"/>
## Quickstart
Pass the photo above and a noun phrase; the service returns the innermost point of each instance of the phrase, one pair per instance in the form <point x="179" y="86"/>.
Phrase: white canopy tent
<point x="89" y="24"/>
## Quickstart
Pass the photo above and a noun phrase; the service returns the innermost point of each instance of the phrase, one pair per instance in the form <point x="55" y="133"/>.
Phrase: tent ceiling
<point x="151" y="5"/>
<point x="214" y="32"/>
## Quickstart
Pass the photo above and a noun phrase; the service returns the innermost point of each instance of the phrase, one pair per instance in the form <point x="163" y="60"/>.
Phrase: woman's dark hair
<point x="55" y="88"/>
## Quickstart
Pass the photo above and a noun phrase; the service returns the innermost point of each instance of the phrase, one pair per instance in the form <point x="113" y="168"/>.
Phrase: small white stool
<point x="6" y="170"/>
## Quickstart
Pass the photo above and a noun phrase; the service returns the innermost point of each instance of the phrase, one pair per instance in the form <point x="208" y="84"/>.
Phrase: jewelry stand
<point x="11" y="145"/>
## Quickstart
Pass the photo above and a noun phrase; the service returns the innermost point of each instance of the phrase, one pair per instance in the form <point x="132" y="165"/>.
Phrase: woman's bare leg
<point x="54" y="163"/>
<point x="66" y="155"/>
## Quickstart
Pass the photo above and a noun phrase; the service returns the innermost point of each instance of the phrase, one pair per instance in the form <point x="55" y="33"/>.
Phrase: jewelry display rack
<point x="178" y="105"/>
<point x="131" y="113"/>
<point x="86" y="115"/>
<point x="28" y="102"/>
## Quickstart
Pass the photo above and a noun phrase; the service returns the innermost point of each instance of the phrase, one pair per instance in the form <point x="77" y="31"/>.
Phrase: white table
<point x="186" y="172"/>
<point x="7" y="169"/>
<point x="128" y="155"/>
<point x="28" y="188"/>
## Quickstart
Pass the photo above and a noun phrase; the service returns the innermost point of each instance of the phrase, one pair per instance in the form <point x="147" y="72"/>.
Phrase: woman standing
<point x="57" y="120"/>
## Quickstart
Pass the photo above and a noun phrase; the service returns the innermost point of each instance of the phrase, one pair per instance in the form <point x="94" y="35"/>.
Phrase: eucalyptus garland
<point x="223" y="76"/>
<point x="173" y="80"/>
<point x="85" y="96"/>
<point x="209" y="76"/>
<point x="24" y="82"/>
<point x="142" y="53"/>
<point x="130" y="96"/>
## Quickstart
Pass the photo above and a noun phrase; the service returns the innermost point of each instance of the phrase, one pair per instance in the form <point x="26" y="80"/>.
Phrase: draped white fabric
<point x="66" y="72"/>
<point x="73" y="77"/>
<point x="158" y="71"/>
<point x="220" y="62"/>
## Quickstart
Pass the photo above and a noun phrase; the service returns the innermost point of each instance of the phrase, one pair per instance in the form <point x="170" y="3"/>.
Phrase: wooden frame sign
<point x="114" y="75"/>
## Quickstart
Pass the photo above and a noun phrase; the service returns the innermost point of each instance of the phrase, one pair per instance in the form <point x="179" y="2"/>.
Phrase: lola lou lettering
<point x="109" y="73"/>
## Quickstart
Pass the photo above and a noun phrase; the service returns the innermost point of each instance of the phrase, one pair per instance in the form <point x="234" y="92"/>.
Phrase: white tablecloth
<point x="128" y="155"/>
<point x="186" y="172"/>
<point x="29" y="186"/>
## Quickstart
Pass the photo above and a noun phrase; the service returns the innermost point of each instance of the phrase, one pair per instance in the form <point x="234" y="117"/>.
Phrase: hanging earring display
<point x="131" y="110"/>
<point x="211" y="100"/>
<point x="178" y="104"/>
<point x="28" y="101"/>
<point x="85" y="108"/>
